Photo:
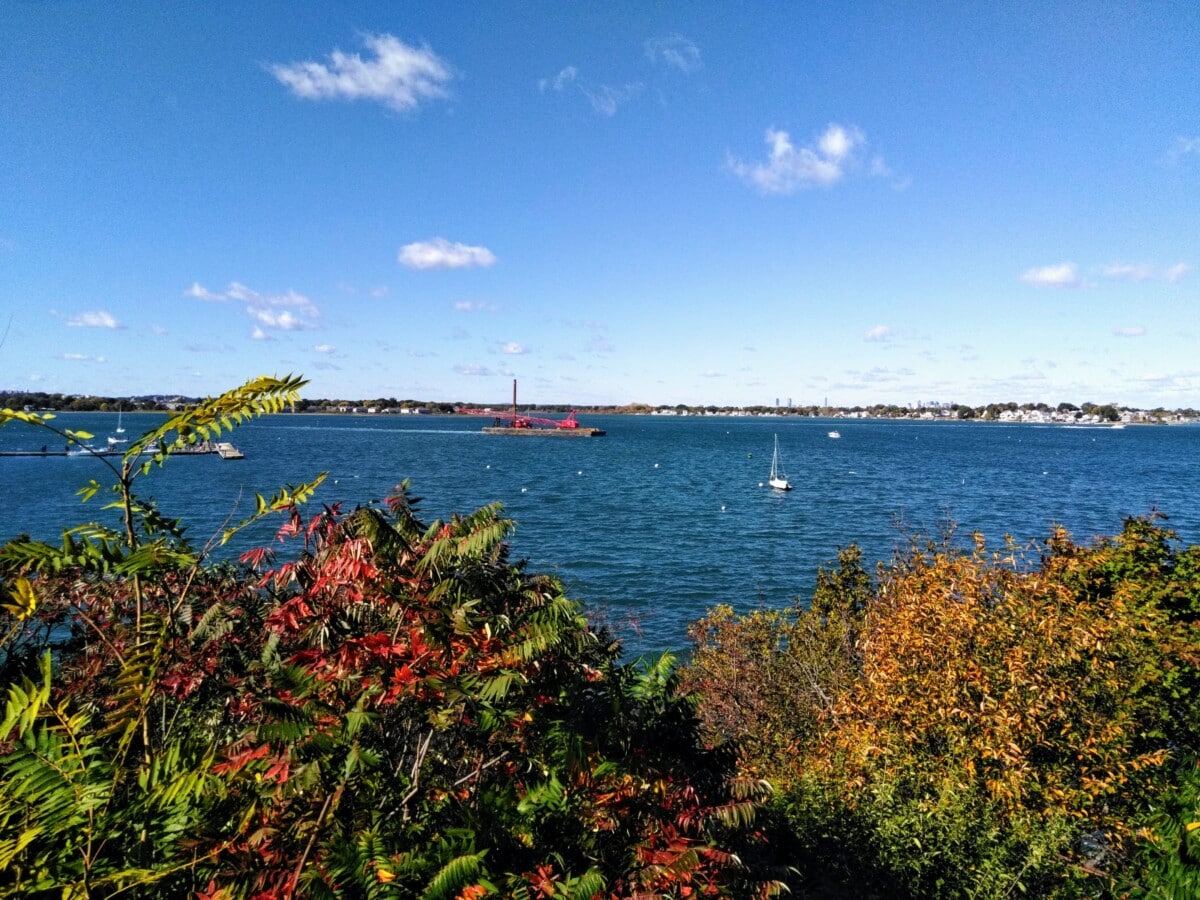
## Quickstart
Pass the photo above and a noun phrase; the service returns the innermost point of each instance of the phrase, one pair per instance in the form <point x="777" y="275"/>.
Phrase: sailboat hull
<point x="778" y="479"/>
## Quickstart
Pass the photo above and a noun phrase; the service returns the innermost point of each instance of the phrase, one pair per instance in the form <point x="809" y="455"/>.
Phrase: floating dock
<point x="579" y="431"/>
<point x="224" y="449"/>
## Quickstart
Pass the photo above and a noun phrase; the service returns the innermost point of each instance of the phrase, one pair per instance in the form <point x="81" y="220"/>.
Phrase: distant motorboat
<point x="778" y="479"/>
<point x="834" y="434"/>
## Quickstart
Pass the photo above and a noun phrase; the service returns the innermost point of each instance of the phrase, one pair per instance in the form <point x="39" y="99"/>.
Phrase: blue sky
<point x="692" y="202"/>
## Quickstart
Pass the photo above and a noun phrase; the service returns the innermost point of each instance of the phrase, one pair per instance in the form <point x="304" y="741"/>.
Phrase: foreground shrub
<point x="396" y="709"/>
<point x="996" y="726"/>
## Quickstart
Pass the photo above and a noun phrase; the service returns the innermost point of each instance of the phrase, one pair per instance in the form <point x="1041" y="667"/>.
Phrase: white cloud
<point x="394" y="74"/>
<point x="513" y="348"/>
<point x="289" y="311"/>
<point x="439" y="253"/>
<point x="1129" y="331"/>
<point x="324" y="348"/>
<point x="97" y="319"/>
<point x="878" y="333"/>
<point x="200" y="292"/>
<point x="83" y="357"/>
<point x="1176" y="272"/>
<point x="1060" y="275"/>
<point x="159" y="330"/>
<point x="675" y="50"/>
<point x="380" y="291"/>
<point x="789" y="168"/>
<point x="281" y="319"/>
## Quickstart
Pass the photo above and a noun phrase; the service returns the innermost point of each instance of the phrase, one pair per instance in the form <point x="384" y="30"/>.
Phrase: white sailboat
<point x="115" y="442"/>
<point x="778" y="479"/>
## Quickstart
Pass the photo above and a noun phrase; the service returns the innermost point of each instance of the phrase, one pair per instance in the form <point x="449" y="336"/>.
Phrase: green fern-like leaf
<point x="454" y="876"/>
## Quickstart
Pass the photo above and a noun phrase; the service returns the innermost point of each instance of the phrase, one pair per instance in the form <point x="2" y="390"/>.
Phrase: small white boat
<point x="835" y="434"/>
<point x="778" y="479"/>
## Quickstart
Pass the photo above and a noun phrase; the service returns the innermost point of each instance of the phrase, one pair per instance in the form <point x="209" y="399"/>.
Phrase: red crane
<point x="520" y="420"/>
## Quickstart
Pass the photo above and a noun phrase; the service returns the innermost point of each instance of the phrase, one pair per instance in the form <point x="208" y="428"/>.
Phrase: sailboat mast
<point x="514" y="400"/>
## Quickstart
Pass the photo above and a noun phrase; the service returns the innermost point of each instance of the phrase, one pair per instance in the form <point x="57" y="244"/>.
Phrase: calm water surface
<point x="665" y="517"/>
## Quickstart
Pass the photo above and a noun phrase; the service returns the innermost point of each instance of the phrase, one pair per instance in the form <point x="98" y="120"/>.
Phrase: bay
<point x="664" y="517"/>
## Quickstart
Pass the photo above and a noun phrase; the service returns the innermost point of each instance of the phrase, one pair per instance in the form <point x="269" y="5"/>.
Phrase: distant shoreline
<point x="1032" y="416"/>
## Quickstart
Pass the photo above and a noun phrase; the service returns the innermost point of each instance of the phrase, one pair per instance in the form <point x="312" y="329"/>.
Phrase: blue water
<point x="665" y="517"/>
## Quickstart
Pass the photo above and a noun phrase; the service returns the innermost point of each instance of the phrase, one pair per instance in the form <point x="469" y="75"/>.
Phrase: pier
<point x="223" y="449"/>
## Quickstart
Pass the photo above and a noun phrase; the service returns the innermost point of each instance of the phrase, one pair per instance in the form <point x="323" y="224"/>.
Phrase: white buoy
<point x="580" y="472"/>
<point x="523" y="490"/>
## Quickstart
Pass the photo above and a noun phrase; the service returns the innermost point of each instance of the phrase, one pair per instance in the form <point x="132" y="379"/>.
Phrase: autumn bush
<point x="969" y="722"/>
<point x="377" y="707"/>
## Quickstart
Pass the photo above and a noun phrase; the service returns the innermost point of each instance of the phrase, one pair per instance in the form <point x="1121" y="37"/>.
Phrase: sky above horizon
<point x="681" y="202"/>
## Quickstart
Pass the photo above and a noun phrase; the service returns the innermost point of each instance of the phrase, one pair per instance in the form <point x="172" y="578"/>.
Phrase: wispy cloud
<point x="324" y="348"/>
<point x="96" y="319"/>
<point x="675" y="51"/>
<point x="1127" y="272"/>
<point x="789" y="168"/>
<point x="474" y="306"/>
<point x="513" y="348"/>
<point x="879" y="333"/>
<point x="1058" y="275"/>
<point x="1182" y="148"/>
<point x="605" y="99"/>
<point x="83" y="357"/>
<point x="472" y="369"/>
<point x="1176" y="272"/>
<point x="1129" y="331"/>
<point x="289" y="311"/>
<point x="1145" y="272"/>
<point x="393" y="73"/>
<point x="440" y="253"/>
<point x="560" y="82"/>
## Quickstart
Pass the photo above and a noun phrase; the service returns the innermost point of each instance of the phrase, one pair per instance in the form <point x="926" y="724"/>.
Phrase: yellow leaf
<point x="26" y="599"/>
